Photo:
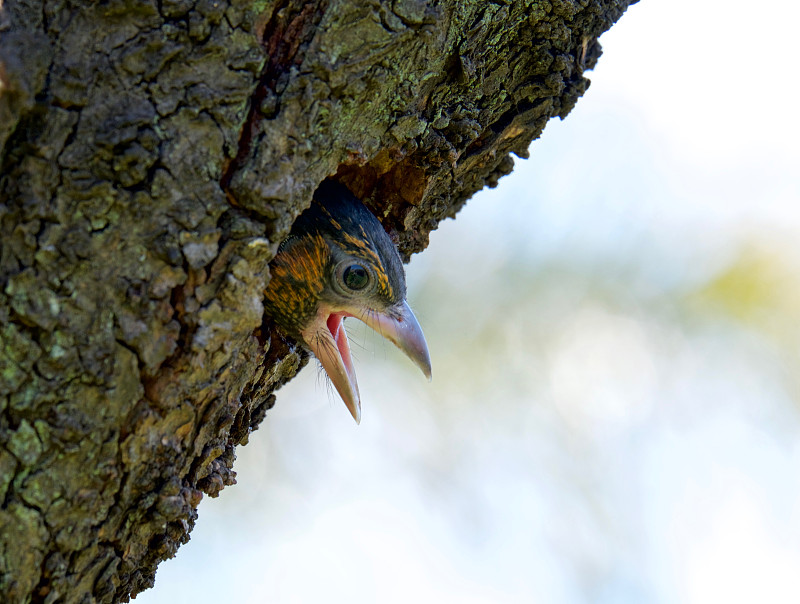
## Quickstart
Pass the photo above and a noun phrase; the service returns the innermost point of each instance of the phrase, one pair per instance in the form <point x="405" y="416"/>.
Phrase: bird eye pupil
<point x="355" y="277"/>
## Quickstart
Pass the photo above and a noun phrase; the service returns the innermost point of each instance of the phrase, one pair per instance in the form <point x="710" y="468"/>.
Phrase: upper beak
<point x="328" y="341"/>
<point x="400" y="326"/>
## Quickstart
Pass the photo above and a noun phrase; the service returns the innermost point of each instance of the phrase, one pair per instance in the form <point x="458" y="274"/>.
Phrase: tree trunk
<point x="152" y="156"/>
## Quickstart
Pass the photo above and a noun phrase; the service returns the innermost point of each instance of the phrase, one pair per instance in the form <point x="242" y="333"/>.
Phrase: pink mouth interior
<point x="336" y="327"/>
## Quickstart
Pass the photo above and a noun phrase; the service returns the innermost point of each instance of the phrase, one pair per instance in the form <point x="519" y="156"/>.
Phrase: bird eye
<point x="355" y="277"/>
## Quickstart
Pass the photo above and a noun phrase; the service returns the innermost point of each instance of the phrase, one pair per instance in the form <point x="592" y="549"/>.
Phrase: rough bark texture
<point x="152" y="156"/>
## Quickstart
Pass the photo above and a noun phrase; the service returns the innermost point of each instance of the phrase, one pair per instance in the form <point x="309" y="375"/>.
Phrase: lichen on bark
<point x="152" y="157"/>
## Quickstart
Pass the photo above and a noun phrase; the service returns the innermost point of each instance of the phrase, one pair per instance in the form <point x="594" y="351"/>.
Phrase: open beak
<point x="327" y="339"/>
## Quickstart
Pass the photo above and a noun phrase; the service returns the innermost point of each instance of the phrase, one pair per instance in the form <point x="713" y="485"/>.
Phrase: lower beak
<point x="327" y="339"/>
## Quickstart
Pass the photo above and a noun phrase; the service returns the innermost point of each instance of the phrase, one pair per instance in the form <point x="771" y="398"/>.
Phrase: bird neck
<point x="298" y="276"/>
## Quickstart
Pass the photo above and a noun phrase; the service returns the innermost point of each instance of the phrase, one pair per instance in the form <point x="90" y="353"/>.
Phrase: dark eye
<point x="355" y="277"/>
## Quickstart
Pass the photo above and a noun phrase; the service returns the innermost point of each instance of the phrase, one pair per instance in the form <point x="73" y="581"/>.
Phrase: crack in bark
<point x="289" y="27"/>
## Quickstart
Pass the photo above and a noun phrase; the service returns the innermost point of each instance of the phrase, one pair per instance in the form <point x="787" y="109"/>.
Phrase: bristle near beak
<point x="327" y="339"/>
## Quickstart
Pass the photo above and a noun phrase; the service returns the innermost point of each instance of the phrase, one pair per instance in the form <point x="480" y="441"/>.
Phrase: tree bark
<point x="152" y="156"/>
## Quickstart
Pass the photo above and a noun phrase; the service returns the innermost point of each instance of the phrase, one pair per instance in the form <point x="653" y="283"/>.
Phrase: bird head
<point x="338" y="262"/>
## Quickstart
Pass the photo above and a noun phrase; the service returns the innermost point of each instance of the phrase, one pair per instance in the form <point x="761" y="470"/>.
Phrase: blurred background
<point x="614" y="410"/>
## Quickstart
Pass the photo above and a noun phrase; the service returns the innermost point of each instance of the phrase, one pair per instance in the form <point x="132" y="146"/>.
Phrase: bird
<point x="339" y="262"/>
